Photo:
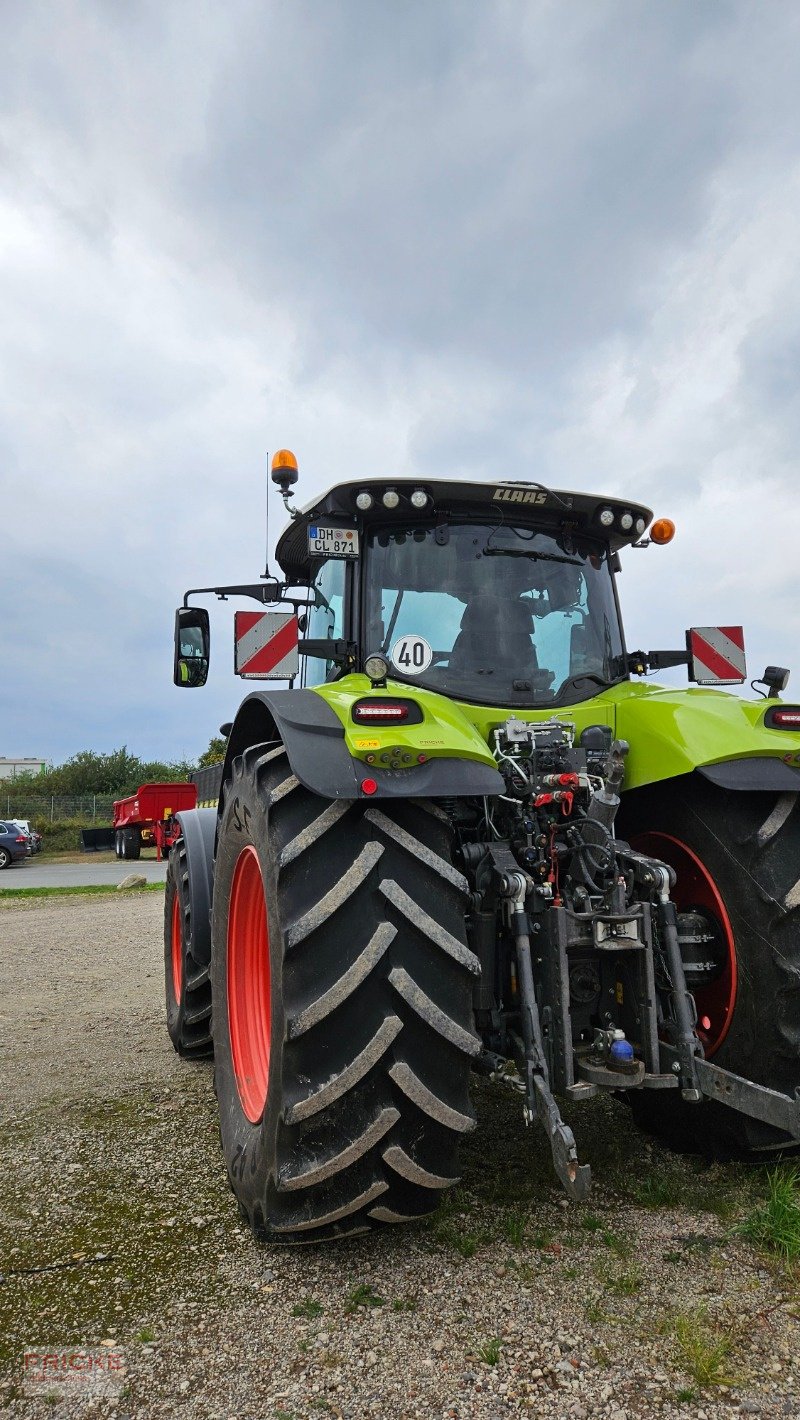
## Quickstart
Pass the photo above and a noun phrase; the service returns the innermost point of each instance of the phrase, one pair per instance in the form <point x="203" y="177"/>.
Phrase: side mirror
<point x="192" y="646"/>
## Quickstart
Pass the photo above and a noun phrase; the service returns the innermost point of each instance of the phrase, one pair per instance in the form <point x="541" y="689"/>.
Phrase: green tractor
<point x="465" y="839"/>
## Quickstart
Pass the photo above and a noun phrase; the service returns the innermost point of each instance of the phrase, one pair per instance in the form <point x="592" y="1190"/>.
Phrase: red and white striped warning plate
<point x="266" y="645"/>
<point x="717" y="654"/>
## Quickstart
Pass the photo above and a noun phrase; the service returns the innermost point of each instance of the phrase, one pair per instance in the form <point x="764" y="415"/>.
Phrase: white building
<point x="10" y="768"/>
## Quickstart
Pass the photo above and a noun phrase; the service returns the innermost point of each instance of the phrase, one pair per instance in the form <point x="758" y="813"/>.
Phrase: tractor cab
<point x="494" y="595"/>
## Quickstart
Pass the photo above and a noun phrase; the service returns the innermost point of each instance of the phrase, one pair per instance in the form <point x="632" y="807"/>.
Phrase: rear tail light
<point x="373" y="711"/>
<point x="375" y="714"/>
<point x="785" y="717"/>
<point x="21" y="839"/>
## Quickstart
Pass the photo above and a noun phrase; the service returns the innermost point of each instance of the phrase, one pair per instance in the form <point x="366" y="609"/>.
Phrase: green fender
<point x="673" y="732"/>
<point x="670" y="732"/>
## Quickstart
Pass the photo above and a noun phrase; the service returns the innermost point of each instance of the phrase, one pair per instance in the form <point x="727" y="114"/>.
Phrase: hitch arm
<point x="540" y="1103"/>
<point x="688" y="1049"/>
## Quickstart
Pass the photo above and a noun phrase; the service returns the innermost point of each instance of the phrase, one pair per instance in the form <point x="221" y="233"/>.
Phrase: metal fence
<point x="91" y="808"/>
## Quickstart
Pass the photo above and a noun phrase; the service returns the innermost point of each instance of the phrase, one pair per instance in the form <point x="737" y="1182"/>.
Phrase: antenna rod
<point x="266" y="572"/>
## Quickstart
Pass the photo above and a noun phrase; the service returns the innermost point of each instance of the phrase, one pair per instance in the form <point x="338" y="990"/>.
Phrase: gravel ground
<point x="512" y="1301"/>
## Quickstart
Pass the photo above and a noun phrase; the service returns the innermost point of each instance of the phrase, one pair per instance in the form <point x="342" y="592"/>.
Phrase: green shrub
<point x="63" y="835"/>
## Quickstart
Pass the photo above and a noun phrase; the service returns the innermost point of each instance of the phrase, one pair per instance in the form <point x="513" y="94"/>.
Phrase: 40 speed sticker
<point x="411" y="655"/>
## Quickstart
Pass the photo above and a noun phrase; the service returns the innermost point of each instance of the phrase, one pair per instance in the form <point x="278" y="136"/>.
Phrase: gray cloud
<point x="518" y="239"/>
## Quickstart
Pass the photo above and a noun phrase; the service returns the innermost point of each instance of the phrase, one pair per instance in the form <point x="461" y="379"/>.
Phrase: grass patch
<point x="775" y="1224"/>
<point x="704" y="1349"/>
<point x="595" y="1312"/>
<point x="404" y="1304"/>
<point x="451" y="1234"/>
<point x="96" y="890"/>
<point x="591" y="1223"/>
<point x="309" y="1309"/>
<point x="451" y="1227"/>
<point x="615" y="1243"/>
<point x="364" y="1295"/>
<point x="659" y="1191"/>
<point x="626" y="1284"/>
<point x="524" y="1271"/>
<point x="542" y="1238"/>
<point x="513" y="1225"/>
<point x="489" y="1351"/>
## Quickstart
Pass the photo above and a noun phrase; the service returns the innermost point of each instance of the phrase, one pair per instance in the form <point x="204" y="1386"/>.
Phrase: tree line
<point x="118" y="773"/>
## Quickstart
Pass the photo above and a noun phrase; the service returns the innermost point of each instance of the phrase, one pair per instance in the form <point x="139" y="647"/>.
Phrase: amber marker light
<point x="284" y="459"/>
<point x="662" y="531"/>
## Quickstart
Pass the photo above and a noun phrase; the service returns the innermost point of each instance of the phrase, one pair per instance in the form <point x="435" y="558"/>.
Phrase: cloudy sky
<point x="554" y="239"/>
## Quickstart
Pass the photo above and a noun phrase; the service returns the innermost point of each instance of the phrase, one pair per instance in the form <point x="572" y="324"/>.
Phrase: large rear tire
<point x="186" y="980"/>
<point x="737" y="856"/>
<point x="342" y="988"/>
<point x="131" y="843"/>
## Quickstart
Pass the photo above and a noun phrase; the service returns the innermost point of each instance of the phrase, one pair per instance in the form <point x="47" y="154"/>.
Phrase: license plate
<point x="332" y="542"/>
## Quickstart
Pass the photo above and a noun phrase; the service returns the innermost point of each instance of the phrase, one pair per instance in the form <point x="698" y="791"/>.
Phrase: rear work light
<point x="785" y="718"/>
<point x="373" y="711"/>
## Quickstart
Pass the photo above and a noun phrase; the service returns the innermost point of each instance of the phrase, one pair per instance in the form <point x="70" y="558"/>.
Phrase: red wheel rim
<point x="249" y="993"/>
<point x="695" y="889"/>
<point x="177" y="949"/>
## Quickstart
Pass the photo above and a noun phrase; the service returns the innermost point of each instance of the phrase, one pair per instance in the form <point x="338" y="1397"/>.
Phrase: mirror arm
<point x="269" y="591"/>
<point x="639" y="661"/>
<point x="342" y="653"/>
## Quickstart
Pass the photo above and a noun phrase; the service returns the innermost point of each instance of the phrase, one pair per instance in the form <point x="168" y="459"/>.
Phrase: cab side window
<point x="325" y="618"/>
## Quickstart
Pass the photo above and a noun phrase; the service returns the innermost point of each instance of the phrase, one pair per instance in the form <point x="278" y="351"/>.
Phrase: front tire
<point x="342" y="989"/>
<point x="745" y="849"/>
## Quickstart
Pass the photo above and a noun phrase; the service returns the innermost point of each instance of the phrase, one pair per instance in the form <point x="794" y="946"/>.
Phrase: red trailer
<point x="148" y="817"/>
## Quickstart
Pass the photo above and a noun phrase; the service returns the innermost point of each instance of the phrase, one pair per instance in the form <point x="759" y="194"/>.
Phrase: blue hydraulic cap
<point x="621" y="1052"/>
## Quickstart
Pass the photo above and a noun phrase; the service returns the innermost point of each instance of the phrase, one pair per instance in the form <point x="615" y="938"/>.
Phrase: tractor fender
<point x="314" y="738"/>
<point x="730" y="741"/>
<point x="198" y="831"/>
<point x="755" y="774"/>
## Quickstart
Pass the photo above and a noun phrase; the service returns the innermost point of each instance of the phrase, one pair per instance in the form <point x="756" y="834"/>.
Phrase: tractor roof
<point x="507" y="502"/>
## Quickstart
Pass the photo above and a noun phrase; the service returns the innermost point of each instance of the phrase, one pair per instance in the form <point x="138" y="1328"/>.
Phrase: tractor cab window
<point x="496" y="614"/>
<point x="325" y="618"/>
